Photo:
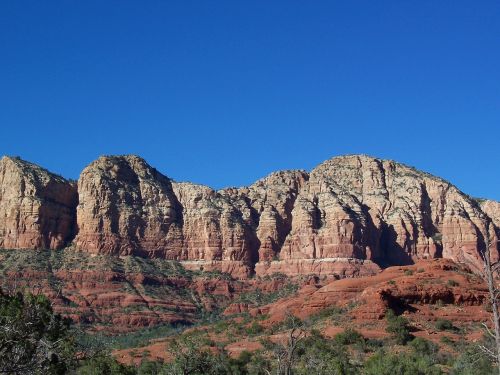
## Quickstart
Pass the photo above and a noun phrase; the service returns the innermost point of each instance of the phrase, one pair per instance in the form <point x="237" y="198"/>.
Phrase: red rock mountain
<point x="348" y="216"/>
<point x="37" y="208"/>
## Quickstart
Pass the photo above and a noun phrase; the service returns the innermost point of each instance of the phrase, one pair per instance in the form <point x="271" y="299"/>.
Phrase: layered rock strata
<point x="37" y="208"/>
<point x="348" y="216"/>
<point x="126" y="207"/>
<point x="366" y="208"/>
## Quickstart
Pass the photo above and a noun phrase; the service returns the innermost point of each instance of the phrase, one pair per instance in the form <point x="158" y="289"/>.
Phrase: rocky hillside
<point x="443" y="302"/>
<point x="122" y="294"/>
<point x="349" y="216"/>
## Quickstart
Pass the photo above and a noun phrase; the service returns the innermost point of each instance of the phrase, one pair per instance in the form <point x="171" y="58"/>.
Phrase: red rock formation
<point x="267" y="205"/>
<point x="328" y="267"/>
<point x="37" y="208"/>
<point x="127" y="207"/>
<point x="216" y="234"/>
<point x="365" y="208"/>
<point x="492" y="209"/>
<point x="409" y="288"/>
<point x="347" y="216"/>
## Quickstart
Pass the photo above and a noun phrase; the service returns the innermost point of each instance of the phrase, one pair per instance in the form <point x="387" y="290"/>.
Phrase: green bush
<point x="398" y="326"/>
<point x="473" y="362"/>
<point x="424" y="347"/>
<point x="259" y="298"/>
<point x="452" y="283"/>
<point x="321" y="356"/>
<point x="382" y="363"/>
<point x="349" y="337"/>
<point x="254" y="329"/>
<point x="149" y="368"/>
<point x="190" y="356"/>
<point x="444" y="325"/>
<point x="104" y="364"/>
<point x="330" y="312"/>
<point x="446" y="340"/>
<point x="33" y="340"/>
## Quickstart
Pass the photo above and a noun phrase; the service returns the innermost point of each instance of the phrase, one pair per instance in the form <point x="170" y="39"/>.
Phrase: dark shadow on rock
<point x="392" y="254"/>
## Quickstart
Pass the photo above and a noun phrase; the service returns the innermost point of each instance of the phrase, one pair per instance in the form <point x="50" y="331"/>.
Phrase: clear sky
<point x="224" y="92"/>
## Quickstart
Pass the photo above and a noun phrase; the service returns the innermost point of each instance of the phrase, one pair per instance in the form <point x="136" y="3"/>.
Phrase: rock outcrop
<point x="348" y="217"/>
<point x="366" y="208"/>
<point x="216" y="234"/>
<point x="126" y="207"/>
<point x="267" y="206"/>
<point x="37" y="208"/>
<point x="492" y="209"/>
<point x="402" y="288"/>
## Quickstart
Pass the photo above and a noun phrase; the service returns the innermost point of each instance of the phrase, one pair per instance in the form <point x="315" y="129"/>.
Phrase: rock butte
<point x="348" y="217"/>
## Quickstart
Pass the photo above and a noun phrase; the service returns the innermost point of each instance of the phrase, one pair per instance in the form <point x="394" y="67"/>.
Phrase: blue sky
<point x="224" y="92"/>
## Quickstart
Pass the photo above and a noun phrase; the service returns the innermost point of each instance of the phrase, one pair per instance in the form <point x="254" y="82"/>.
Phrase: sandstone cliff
<point x="366" y="208"/>
<point x="348" y="216"/>
<point x="127" y="207"/>
<point x="216" y="234"/>
<point x="37" y="208"/>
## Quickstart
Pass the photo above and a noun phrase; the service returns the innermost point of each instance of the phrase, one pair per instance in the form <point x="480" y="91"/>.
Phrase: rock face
<point x="216" y="235"/>
<point x="347" y="217"/>
<point x="267" y="206"/>
<point x="366" y="208"/>
<point x="127" y="207"/>
<point x="492" y="209"/>
<point x="37" y="208"/>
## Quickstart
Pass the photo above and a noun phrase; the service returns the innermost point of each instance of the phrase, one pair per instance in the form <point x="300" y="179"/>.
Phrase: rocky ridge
<point x="348" y="217"/>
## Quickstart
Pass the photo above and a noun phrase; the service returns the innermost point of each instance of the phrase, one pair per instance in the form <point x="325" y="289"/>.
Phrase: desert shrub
<point x="221" y="326"/>
<point x="289" y="322"/>
<point x="254" y="329"/>
<point x="258" y="365"/>
<point x="382" y="363"/>
<point x="133" y="339"/>
<point x="349" y="337"/>
<point x="149" y="368"/>
<point x="398" y="326"/>
<point x="444" y="325"/>
<point x="452" y="283"/>
<point x="408" y="272"/>
<point x="446" y="340"/>
<point x="191" y="356"/>
<point x="424" y="347"/>
<point x="104" y="364"/>
<point x="374" y="344"/>
<point x="334" y="315"/>
<point x="239" y="364"/>
<point x="321" y="356"/>
<point x="472" y="362"/>
<point x="33" y="339"/>
<point x="258" y="297"/>
<point x="330" y="312"/>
